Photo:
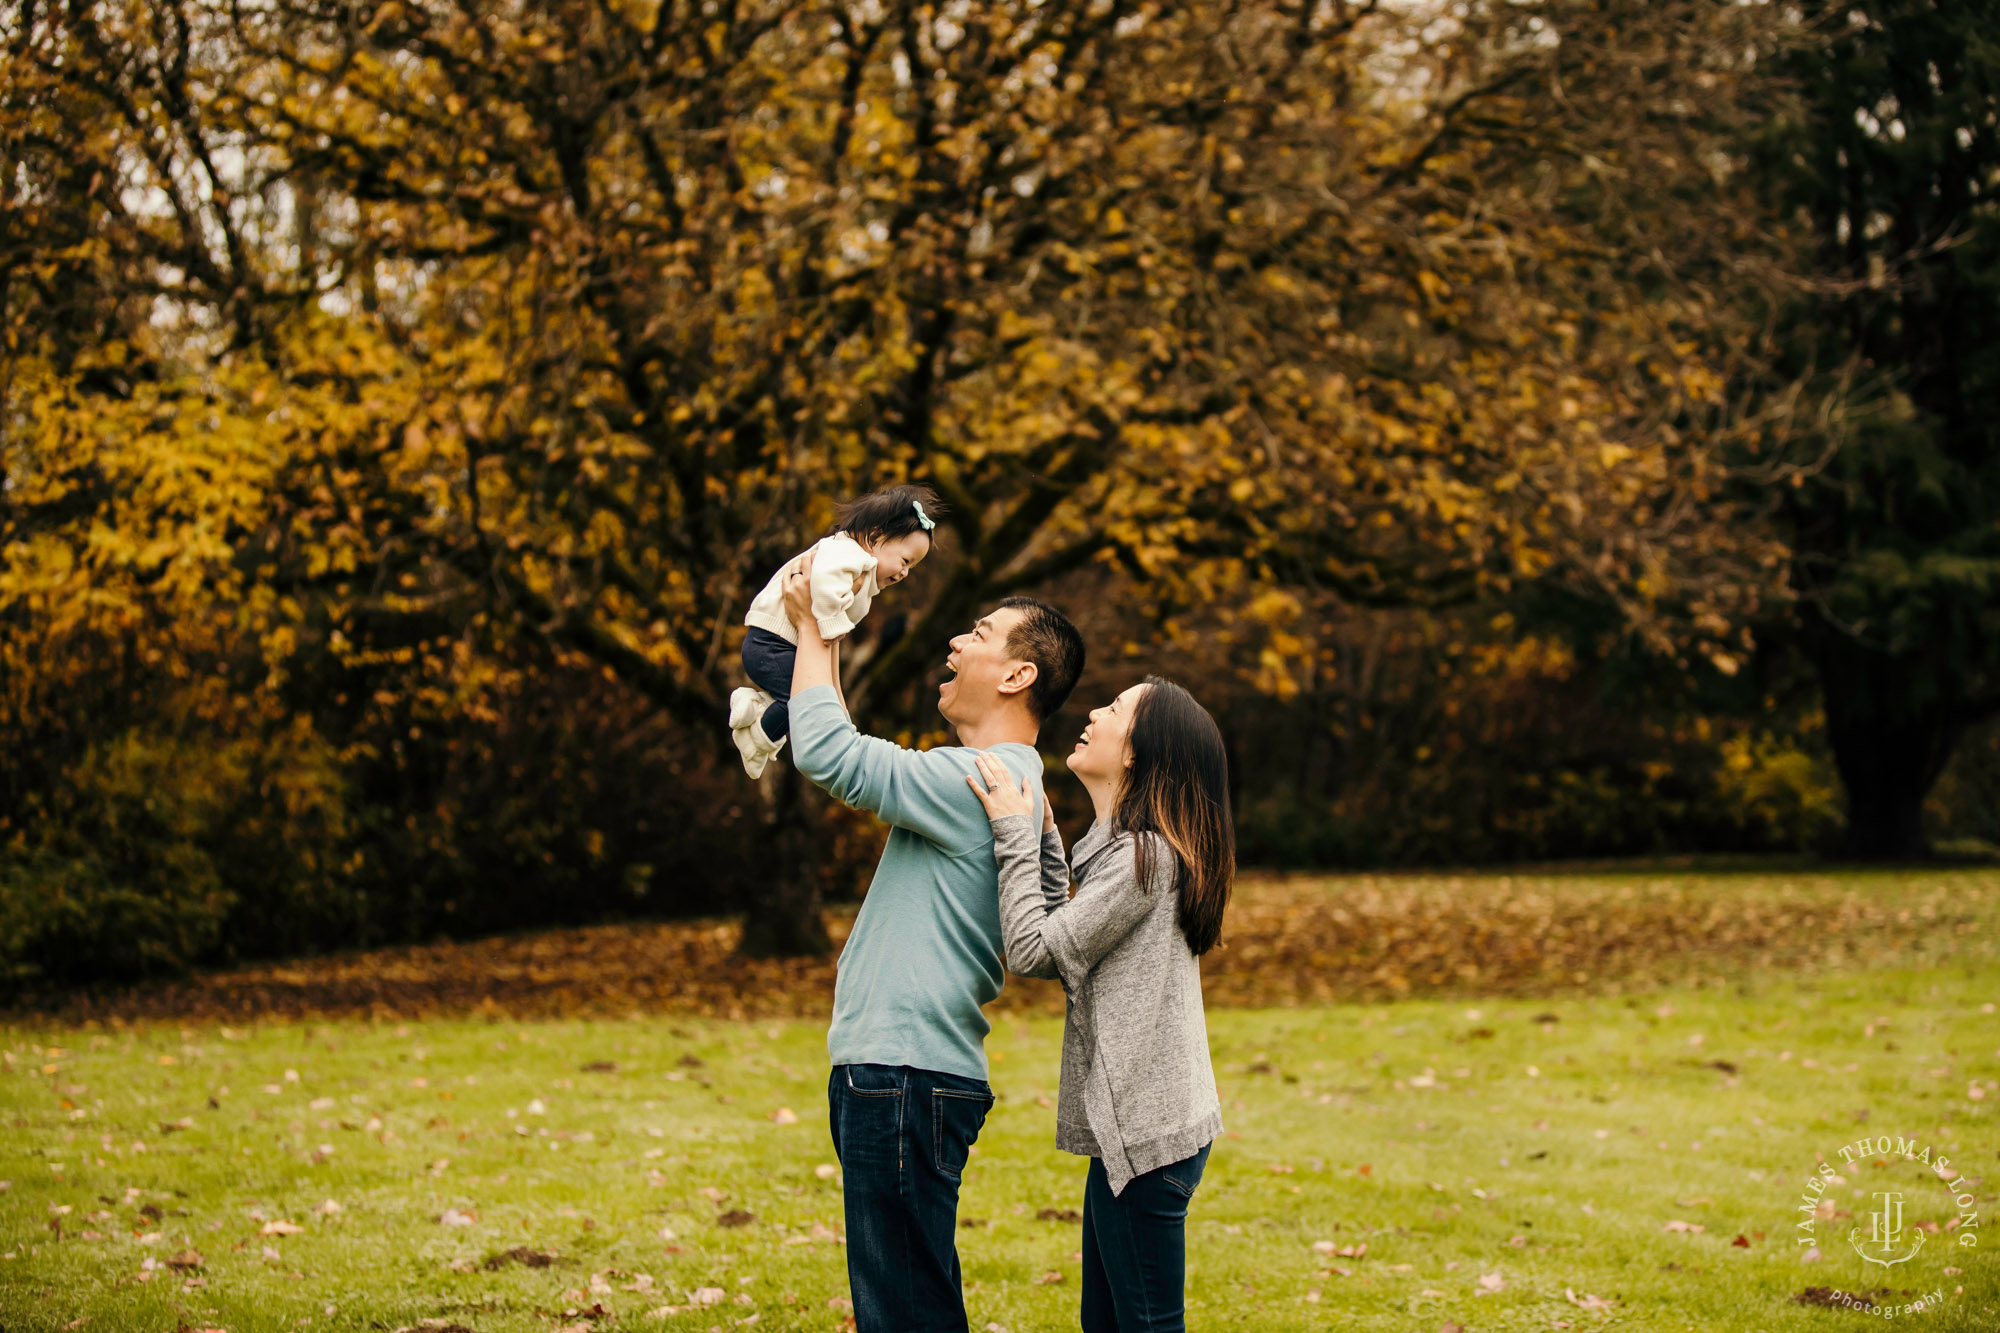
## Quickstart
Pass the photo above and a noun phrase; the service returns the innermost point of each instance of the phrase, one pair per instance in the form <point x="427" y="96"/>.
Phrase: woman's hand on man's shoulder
<point x="994" y="786"/>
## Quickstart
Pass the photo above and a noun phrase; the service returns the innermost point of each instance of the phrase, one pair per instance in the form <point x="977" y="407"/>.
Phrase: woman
<point x="1153" y="877"/>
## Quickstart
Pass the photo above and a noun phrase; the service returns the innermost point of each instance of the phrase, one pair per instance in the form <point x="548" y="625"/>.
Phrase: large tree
<point x="1893" y="161"/>
<point x="552" y="329"/>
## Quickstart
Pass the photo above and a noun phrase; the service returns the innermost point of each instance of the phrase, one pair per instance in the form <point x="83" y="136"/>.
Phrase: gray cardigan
<point x="1137" y="1088"/>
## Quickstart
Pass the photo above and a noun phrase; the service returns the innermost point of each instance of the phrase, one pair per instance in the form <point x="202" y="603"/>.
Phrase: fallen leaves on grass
<point x="1831" y="1296"/>
<point x="185" y="1259"/>
<point x="1355" y="1251"/>
<point x="454" y="1217"/>
<point x="280" y="1227"/>
<point x="1587" y="1302"/>
<point x="1292" y="939"/>
<point x="1049" y="1278"/>
<point x="521" y="1255"/>
<point x="1675" y="1224"/>
<point x="736" y="1217"/>
<point x="1058" y="1215"/>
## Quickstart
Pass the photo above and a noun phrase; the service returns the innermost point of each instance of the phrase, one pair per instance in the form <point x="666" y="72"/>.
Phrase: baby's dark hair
<point x="889" y="513"/>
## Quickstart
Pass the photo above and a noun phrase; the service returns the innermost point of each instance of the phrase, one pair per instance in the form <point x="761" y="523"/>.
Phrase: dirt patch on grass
<point x="1288" y="941"/>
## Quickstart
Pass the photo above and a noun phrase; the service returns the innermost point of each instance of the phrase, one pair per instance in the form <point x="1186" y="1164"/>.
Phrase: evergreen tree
<point x="1893" y="162"/>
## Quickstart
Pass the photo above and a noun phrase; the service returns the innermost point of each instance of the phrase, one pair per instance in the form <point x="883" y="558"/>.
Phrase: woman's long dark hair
<point x="1178" y="788"/>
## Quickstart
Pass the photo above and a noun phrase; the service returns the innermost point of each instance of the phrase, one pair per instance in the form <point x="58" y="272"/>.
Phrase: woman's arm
<point x="1109" y="903"/>
<point x="1042" y="934"/>
<point x="1055" y="864"/>
<point x="1024" y="903"/>
<point x="1023" y="877"/>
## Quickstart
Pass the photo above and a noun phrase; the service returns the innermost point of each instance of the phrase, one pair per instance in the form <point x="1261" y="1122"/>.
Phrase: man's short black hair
<point x="1044" y="636"/>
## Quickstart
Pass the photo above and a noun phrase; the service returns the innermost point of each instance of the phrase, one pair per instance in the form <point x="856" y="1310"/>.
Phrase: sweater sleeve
<point x="1024" y="897"/>
<point x="1055" y="870"/>
<point x="923" y="791"/>
<point x="837" y="562"/>
<point x="1045" y="933"/>
<point x="1109" y="903"/>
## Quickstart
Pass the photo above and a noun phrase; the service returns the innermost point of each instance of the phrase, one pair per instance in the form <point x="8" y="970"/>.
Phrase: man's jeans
<point x="1135" y="1248"/>
<point x="902" y="1136"/>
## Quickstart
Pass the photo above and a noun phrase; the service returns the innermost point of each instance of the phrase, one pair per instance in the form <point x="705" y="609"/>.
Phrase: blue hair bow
<point x="922" y="517"/>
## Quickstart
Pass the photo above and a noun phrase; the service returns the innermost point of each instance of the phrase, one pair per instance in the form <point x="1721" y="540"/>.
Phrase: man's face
<point x="979" y="662"/>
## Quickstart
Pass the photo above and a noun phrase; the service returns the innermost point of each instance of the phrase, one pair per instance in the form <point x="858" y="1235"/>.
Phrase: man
<point x="908" y="1092"/>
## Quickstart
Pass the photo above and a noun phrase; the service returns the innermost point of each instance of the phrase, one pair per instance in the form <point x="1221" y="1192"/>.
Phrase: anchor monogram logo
<point x="1885" y="1231"/>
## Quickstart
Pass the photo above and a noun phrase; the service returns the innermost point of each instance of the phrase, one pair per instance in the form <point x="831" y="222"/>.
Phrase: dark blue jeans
<point x="903" y="1136"/>
<point x="767" y="660"/>
<point x="1135" y="1249"/>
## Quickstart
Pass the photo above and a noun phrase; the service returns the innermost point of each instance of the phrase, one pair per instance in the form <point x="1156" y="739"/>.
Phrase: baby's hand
<point x="998" y="794"/>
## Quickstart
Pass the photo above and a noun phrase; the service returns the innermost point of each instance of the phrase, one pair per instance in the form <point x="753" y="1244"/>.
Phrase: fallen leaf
<point x="1586" y="1302"/>
<point x="280" y="1228"/>
<point x="1058" y="1215"/>
<point x="1690" y="1228"/>
<point x="736" y="1217"/>
<point x="785" y="1115"/>
<point x="521" y="1255"/>
<point x="1490" y="1282"/>
<point x="1833" y="1296"/>
<point x="185" y="1259"/>
<point x="826" y="1171"/>
<point x="1049" y="1278"/>
<point x="453" y="1217"/>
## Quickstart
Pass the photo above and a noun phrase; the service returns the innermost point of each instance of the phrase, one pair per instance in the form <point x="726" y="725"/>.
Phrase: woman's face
<point x="1105" y="750"/>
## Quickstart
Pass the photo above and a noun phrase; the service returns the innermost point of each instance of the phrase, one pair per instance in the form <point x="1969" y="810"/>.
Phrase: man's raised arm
<point x="920" y="790"/>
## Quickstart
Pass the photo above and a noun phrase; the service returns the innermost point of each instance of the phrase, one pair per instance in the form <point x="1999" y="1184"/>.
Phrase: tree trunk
<point x="1892" y="721"/>
<point x="783" y="918"/>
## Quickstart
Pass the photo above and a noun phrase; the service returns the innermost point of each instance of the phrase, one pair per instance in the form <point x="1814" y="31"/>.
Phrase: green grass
<point x="1560" y="1177"/>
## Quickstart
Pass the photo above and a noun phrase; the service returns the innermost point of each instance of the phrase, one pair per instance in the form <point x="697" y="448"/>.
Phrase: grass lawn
<point x="1504" y="1163"/>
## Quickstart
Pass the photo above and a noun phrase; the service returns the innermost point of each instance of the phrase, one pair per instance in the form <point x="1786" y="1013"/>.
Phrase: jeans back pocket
<point x="1185" y="1174"/>
<point x="956" y="1119"/>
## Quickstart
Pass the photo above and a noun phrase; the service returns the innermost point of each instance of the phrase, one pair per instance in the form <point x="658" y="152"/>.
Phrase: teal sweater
<point x="924" y="954"/>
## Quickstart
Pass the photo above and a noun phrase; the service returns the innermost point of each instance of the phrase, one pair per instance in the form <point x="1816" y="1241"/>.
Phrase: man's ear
<point x="1019" y="677"/>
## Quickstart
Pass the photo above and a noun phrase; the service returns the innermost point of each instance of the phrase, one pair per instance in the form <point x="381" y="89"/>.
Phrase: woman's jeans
<point x="1135" y="1249"/>
<point x="767" y="660"/>
<point x="903" y="1136"/>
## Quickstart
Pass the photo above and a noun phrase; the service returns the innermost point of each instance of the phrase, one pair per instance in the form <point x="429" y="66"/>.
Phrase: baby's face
<point x="897" y="556"/>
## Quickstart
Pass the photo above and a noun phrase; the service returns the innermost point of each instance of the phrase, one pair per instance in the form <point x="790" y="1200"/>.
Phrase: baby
<point x="876" y="541"/>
